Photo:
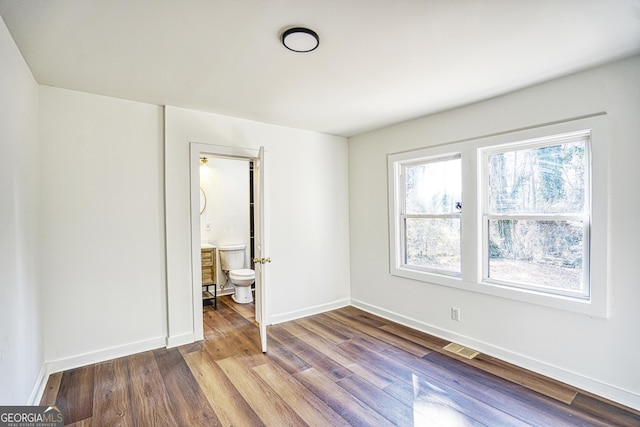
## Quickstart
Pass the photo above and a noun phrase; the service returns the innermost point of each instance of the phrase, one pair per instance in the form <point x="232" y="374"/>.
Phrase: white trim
<point x="39" y="386"/>
<point x="472" y="246"/>
<point x="182" y="339"/>
<point x="309" y="311"/>
<point x="85" y="359"/>
<point x="616" y="394"/>
<point x="60" y="365"/>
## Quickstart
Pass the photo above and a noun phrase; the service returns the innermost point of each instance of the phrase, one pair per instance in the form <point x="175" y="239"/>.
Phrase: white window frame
<point x="584" y="217"/>
<point x="473" y="277"/>
<point x="402" y="216"/>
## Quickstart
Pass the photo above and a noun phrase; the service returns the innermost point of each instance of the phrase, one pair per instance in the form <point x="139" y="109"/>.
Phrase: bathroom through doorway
<point x="227" y="194"/>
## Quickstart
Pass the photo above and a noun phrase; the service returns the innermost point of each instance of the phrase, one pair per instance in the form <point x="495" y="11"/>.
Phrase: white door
<point x="260" y="259"/>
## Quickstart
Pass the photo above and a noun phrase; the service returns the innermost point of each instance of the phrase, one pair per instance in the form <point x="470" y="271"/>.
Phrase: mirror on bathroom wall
<point x="203" y="200"/>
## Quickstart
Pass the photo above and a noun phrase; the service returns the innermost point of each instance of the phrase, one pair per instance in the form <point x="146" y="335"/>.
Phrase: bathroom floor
<point x="248" y="311"/>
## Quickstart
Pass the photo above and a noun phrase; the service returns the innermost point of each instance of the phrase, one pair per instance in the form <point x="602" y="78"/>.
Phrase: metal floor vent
<point x="460" y="350"/>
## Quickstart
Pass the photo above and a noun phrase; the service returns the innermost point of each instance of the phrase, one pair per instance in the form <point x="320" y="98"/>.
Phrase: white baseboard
<point x="59" y="365"/>
<point x="182" y="339"/>
<point x="309" y="311"/>
<point x="38" y="388"/>
<point x="53" y="366"/>
<point x="624" y="397"/>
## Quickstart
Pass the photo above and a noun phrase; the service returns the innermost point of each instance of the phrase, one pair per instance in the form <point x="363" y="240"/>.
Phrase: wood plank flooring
<point x="344" y="367"/>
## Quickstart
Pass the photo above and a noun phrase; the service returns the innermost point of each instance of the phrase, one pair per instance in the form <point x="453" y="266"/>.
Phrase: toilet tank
<point x="231" y="257"/>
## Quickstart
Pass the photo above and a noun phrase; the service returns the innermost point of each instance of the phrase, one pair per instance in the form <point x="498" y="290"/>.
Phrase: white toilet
<point x="232" y="264"/>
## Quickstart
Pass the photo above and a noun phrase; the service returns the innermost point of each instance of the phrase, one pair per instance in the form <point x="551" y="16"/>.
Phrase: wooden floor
<point x="345" y="367"/>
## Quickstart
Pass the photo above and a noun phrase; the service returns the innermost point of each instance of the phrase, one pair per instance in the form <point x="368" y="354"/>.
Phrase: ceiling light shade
<point x="300" y="39"/>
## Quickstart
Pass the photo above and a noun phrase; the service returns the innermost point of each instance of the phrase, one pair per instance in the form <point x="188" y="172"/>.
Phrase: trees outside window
<point x="536" y="217"/>
<point x="431" y="215"/>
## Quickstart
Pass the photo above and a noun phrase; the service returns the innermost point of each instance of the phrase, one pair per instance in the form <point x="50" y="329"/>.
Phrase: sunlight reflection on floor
<point x="432" y="407"/>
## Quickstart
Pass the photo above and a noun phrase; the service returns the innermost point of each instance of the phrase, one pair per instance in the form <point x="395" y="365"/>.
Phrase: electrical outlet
<point x="455" y="314"/>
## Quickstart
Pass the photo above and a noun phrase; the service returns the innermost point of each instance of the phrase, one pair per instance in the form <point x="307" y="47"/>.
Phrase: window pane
<point x="433" y="243"/>
<point x="537" y="253"/>
<point x="433" y="187"/>
<point x="538" y="180"/>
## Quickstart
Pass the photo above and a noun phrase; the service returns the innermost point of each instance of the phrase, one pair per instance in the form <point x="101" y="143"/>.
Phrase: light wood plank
<point x="87" y="422"/>
<point x="335" y="353"/>
<point x="342" y="402"/>
<point x="318" y="328"/>
<point x="310" y="355"/>
<point x="308" y="406"/>
<point x="262" y="399"/>
<point x="224" y="398"/>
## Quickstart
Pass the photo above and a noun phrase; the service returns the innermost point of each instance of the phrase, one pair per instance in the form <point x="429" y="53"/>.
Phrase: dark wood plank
<point x="386" y="405"/>
<point x="75" y="397"/>
<point x="51" y="389"/>
<point x="527" y="405"/>
<point x="605" y="412"/>
<point x="149" y="397"/>
<point x="526" y="378"/>
<point x="283" y="356"/>
<point x="436" y="404"/>
<point x="417" y="337"/>
<point x="376" y="332"/>
<point x="189" y="404"/>
<point x="112" y="403"/>
<point x="309" y="354"/>
<point x="529" y="379"/>
<point x="377" y="361"/>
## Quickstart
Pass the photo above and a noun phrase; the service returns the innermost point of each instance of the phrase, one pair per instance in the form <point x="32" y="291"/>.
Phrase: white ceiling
<point x="379" y="61"/>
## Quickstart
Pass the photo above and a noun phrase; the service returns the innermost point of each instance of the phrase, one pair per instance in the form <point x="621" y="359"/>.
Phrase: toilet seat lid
<point x="243" y="272"/>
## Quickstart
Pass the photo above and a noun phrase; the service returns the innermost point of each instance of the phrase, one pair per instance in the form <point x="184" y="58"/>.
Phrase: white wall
<point x="598" y="354"/>
<point x="21" y="352"/>
<point x="226" y="185"/>
<point x="307" y="208"/>
<point x="103" y="280"/>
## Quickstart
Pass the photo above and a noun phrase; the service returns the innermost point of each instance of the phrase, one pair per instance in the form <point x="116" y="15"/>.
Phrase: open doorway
<point x="226" y="219"/>
<point x="234" y="217"/>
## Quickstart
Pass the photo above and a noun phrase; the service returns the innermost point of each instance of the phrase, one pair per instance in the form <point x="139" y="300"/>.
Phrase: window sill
<point x="577" y="305"/>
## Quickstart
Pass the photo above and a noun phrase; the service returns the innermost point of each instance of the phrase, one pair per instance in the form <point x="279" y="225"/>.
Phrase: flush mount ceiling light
<point x="300" y="39"/>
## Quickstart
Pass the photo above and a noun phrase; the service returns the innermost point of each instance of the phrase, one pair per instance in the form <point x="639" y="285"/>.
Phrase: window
<point x="430" y="218"/>
<point x="520" y="215"/>
<point x="536" y="216"/>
